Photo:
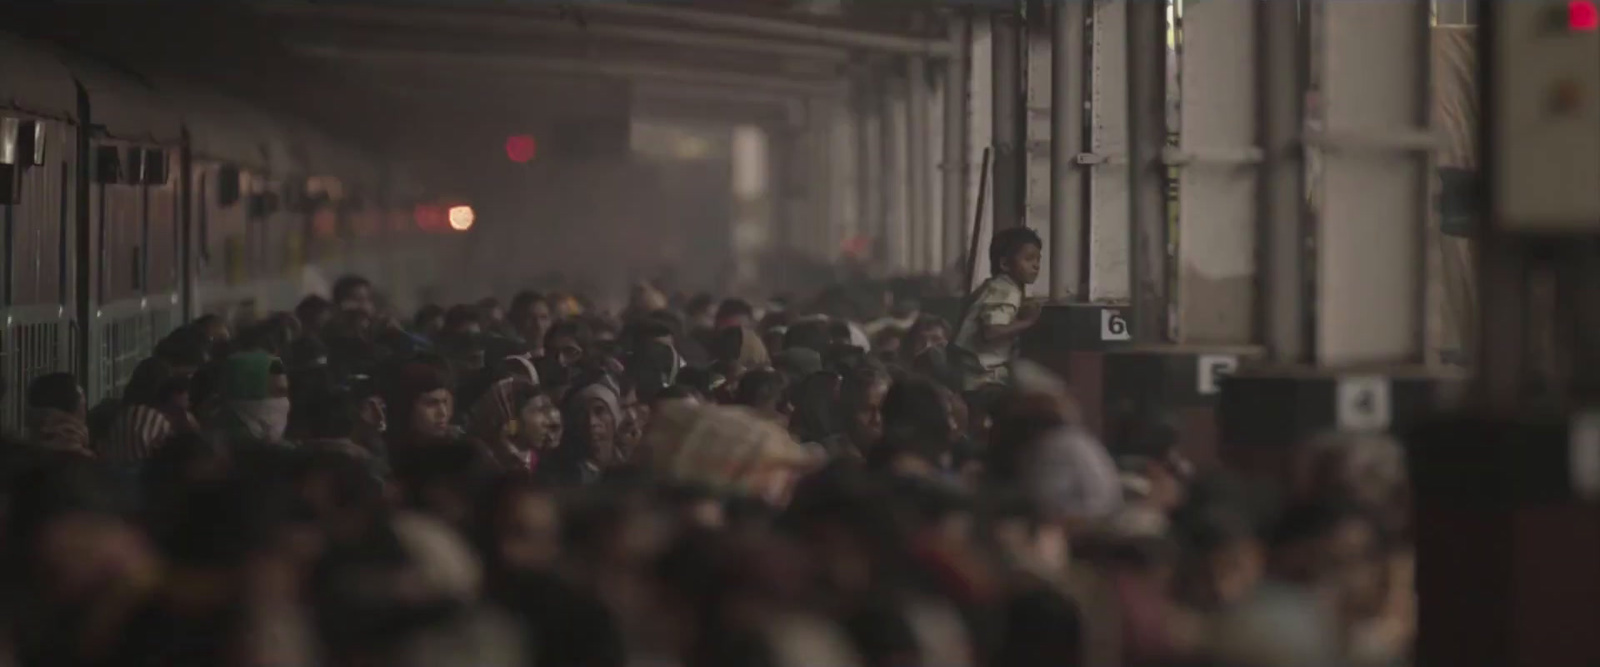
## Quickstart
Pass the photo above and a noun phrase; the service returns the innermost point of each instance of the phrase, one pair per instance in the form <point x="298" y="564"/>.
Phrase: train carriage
<point x="39" y="171"/>
<point x="135" y="143"/>
<point x="182" y="201"/>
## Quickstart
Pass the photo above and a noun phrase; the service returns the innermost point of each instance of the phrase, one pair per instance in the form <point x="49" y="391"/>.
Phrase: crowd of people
<point x="688" y="482"/>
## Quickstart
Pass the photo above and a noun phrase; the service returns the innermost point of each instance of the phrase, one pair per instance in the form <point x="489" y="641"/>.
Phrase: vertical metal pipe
<point x="1146" y="137"/>
<point x="1282" y="323"/>
<point x="954" y="167"/>
<point x="1008" y="120"/>
<point x="918" y="179"/>
<point x="1067" y="179"/>
<point x="896" y="148"/>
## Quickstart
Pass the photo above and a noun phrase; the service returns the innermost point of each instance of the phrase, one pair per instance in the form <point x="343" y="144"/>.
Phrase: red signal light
<point x="521" y="148"/>
<point x="1583" y="16"/>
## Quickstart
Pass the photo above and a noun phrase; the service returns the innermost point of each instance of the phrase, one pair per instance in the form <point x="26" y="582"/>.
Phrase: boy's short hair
<point x="1008" y="242"/>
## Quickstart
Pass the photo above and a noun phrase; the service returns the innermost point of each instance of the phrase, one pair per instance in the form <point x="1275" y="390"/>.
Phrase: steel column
<point x="934" y="176"/>
<point x="1147" y="174"/>
<point x="897" y="137"/>
<point x="844" y="169"/>
<point x="1068" y="183"/>
<point x="921" y="227"/>
<point x="1009" y="153"/>
<point x="874" y="200"/>
<point x="1037" y="177"/>
<point x="1109" y="234"/>
<point x="1282" y="313"/>
<point x="953" y="162"/>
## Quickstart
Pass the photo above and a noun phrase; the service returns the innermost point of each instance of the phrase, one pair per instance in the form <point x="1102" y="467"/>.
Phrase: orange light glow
<point x="461" y="218"/>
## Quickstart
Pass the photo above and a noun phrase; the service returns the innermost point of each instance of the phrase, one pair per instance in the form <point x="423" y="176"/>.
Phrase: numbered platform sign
<point x="1113" y="326"/>
<point x="1211" y="370"/>
<point x="1363" y="403"/>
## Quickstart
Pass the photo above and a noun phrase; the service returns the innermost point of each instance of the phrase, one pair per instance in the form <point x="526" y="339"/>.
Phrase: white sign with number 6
<point x="1211" y="371"/>
<point x="1363" y="403"/>
<point x="1112" y="326"/>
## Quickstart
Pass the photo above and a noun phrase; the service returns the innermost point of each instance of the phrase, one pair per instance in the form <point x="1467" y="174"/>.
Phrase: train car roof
<point x="41" y="86"/>
<point x="231" y="130"/>
<point x="326" y="156"/>
<point x="125" y="104"/>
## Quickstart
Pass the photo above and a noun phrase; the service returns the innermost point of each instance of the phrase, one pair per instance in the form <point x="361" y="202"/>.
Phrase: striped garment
<point x="136" y="433"/>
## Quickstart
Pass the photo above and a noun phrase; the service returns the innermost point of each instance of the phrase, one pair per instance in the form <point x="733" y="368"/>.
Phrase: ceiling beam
<point x="937" y="47"/>
<point x="523" y="25"/>
<point x="637" y="71"/>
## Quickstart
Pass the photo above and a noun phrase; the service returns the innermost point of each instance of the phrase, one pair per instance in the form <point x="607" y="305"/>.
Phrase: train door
<point x="220" y="224"/>
<point x="38" y="174"/>
<point x="133" y="283"/>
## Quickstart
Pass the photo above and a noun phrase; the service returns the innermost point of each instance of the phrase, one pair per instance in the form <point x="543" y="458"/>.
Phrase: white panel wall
<point x="1109" y="238"/>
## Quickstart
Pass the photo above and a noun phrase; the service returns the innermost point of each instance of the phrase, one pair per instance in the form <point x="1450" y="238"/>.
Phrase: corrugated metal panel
<point x="161" y="251"/>
<point x="35" y="80"/>
<point x="119" y="224"/>
<point x="39" y="220"/>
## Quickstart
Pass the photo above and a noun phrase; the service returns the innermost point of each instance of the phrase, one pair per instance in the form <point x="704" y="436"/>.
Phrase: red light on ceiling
<point x="1582" y="15"/>
<point x="521" y="147"/>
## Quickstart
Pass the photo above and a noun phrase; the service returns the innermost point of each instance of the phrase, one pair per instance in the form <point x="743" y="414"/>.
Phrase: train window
<point x="30" y="143"/>
<point x="107" y="165"/>
<point x="10" y="184"/>
<point x="263" y="204"/>
<point x="228" y="185"/>
<point x="134" y="157"/>
<point x="10" y="130"/>
<point x="155" y="166"/>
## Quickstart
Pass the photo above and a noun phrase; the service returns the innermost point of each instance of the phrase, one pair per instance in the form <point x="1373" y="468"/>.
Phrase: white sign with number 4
<point x="1363" y="403"/>
<point x="1112" y="326"/>
<point x="1213" y="368"/>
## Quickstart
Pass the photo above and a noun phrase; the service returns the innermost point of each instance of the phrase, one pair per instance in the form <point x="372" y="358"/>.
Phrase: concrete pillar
<point x="953" y="163"/>
<point x="1068" y="180"/>
<point x="921" y="226"/>
<point x="1007" y="191"/>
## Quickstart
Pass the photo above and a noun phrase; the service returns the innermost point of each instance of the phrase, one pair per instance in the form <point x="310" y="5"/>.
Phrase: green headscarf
<point x="245" y="375"/>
